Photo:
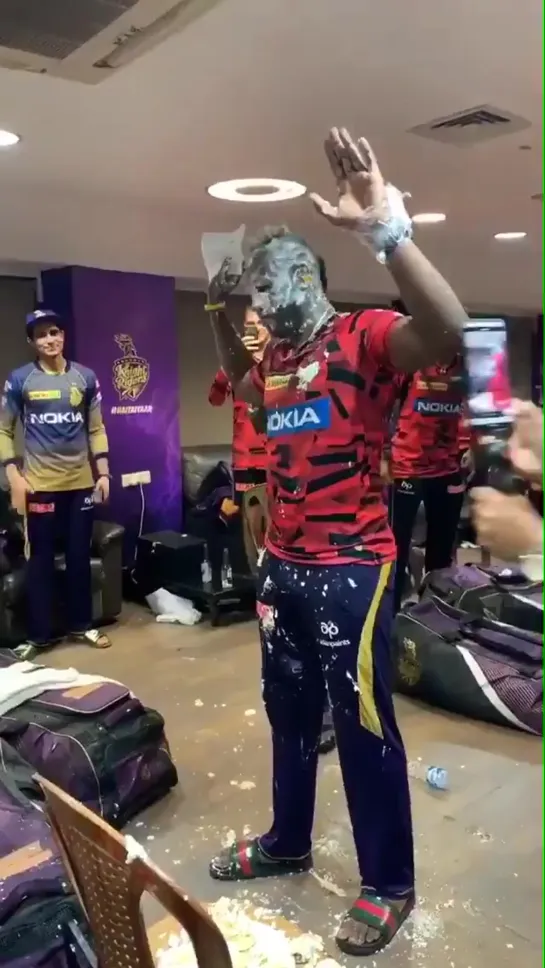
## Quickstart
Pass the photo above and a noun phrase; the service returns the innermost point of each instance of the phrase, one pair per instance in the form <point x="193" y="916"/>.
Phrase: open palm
<point x="361" y="190"/>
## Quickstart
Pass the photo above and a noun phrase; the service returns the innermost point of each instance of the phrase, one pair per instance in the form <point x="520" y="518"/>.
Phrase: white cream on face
<point x="286" y="289"/>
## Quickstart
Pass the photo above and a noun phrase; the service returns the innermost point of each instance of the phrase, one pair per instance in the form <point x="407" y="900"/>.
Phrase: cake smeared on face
<point x="286" y="285"/>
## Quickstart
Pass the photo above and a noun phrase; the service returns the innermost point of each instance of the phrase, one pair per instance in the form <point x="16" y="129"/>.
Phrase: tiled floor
<point x="479" y="846"/>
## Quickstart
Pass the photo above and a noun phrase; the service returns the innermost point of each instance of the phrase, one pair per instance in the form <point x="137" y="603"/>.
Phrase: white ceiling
<point x="114" y="175"/>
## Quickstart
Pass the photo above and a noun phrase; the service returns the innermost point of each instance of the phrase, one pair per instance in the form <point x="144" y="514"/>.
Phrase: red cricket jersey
<point x="328" y="404"/>
<point x="249" y="447"/>
<point x="465" y="434"/>
<point x="499" y="384"/>
<point x="426" y="440"/>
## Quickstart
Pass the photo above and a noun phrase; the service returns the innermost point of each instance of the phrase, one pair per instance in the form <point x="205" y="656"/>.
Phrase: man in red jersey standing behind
<point x="425" y="467"/>
<point x="325" y="588"/>
<point x="249" y="446"/>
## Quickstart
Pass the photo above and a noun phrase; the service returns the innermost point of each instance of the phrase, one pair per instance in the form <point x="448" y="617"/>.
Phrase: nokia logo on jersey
<point x="312" y="415"/>
<point x="437" y="408"/>
<point x="54" y="419"/>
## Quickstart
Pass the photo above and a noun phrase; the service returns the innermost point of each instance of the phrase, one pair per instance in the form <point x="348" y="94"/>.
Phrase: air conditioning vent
<point x="78" y="39"/>
<point x="470" y="127"/>
<point x="56" y="28"/>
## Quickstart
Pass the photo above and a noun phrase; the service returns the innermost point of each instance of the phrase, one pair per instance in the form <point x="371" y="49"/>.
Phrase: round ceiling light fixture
<point x="429" y="218"/>
<point x="256" y="190"/>
<point x="509" y="236"/>
<point x="8" y="139"/>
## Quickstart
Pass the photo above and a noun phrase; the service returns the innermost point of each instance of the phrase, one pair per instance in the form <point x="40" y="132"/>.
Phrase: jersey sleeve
<point x="259" y="370"/>
<point x="220" y="389"/>
<point x="11" y="410"/>
<point x="98" y="441"/>
<point x="376" y="326"/>
<point x="256" y="377"/>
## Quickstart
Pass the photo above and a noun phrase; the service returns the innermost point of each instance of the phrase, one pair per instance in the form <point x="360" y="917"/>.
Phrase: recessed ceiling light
<point x="509" y="236"/>
<point x="429" y="218"/>
<point x="256" y="190"/>
<point x="8" y="139"/>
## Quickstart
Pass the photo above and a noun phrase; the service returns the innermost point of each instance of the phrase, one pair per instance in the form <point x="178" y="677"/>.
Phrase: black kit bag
<point x="38" y="909"/>
<point x="496" y="592"/>
<point x="476" y="667"/>
<point x="97" y="742"/>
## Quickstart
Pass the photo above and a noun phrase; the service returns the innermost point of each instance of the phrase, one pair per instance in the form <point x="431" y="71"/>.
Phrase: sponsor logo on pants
<point x="37" y="508"/>
<point x="330" y="632"/>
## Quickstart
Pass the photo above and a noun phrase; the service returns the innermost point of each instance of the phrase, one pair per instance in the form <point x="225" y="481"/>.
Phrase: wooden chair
<point x="110" y="890"/>
<point x="255" y="517"/>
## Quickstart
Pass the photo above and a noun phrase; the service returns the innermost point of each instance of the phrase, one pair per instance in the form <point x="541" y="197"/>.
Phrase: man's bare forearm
<point x="103" y="467"/>
<point x="437" y="313"/>
<point x="234" y="358"/>
<point x="13" y="474"/>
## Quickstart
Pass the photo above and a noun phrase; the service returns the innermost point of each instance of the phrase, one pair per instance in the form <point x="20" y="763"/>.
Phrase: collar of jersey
<point x="39" y="366"/>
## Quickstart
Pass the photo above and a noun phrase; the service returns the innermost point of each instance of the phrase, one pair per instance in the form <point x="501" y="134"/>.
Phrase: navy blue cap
<point x="41" y="316"/>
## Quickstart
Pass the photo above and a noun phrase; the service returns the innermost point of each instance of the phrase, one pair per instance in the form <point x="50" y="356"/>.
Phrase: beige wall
<point x="200" y="423"/>
<point x="17" y="298"/>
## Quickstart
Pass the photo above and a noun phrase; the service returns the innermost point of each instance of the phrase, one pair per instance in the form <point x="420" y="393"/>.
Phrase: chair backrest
<point x="110" y="887"/>
<point x="255" y="516"/>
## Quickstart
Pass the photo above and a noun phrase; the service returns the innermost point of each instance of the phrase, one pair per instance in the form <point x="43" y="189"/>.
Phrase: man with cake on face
<point x="324" y="593"/>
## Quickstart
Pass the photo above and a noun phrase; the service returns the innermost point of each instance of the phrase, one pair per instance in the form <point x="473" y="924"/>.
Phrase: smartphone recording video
<point x="251" y="330"/>
<point x="489" y="397"/>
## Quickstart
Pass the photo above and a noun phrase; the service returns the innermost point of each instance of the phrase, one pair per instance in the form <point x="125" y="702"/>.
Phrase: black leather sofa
<point x="106" y="570"/>
<point x="206" y="467"/>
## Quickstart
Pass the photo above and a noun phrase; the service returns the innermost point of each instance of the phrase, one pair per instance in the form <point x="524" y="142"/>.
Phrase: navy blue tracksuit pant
<point x="58" y="521"/>
<point x="329" y="626"/>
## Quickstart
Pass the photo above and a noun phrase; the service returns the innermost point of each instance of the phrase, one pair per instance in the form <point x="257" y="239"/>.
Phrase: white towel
<point x="25" y="680"/>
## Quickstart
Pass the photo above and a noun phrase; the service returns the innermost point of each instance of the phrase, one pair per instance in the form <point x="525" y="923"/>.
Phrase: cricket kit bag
<point x="98" y="743"/>
<point x="37" y="905"/>
<point x="476" y="667"/>
<point x="497" y="592"/>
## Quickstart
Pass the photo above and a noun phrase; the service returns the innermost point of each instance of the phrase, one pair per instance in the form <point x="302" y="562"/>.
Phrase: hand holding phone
<point x="486" y="363"/>
<point x="489" y="403"/>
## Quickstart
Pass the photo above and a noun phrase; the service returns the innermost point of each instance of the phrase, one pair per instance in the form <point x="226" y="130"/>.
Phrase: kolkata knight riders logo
<point x="130" y="373"/>
<point x="409" y="666"/>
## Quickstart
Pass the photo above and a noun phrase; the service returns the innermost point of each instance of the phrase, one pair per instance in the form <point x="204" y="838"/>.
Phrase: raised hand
<point x="361" y="190"/>
<point x="223" y="283"/>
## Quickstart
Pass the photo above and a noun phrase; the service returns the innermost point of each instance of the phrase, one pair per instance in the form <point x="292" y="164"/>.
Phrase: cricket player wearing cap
<point x="64" y="472"/>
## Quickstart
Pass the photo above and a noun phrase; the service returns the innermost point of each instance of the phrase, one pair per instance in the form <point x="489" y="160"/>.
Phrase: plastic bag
<point x="172" y="609"/>
<point x="216" y="247"/>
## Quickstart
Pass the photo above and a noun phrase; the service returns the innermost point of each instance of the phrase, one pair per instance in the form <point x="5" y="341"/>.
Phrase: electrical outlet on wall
<point x="142" y="477"/>
<point x="136" y="478"/>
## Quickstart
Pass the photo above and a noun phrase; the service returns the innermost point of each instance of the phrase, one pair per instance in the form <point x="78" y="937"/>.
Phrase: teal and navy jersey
<point x="62" y="425"/>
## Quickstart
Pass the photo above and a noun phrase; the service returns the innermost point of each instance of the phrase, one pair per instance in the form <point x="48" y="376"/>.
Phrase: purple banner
<point x="123" y="326"/>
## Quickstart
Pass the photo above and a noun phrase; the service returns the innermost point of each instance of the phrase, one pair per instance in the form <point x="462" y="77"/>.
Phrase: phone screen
<point x="489" y="397"/>
<point x="250" y="329"/>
